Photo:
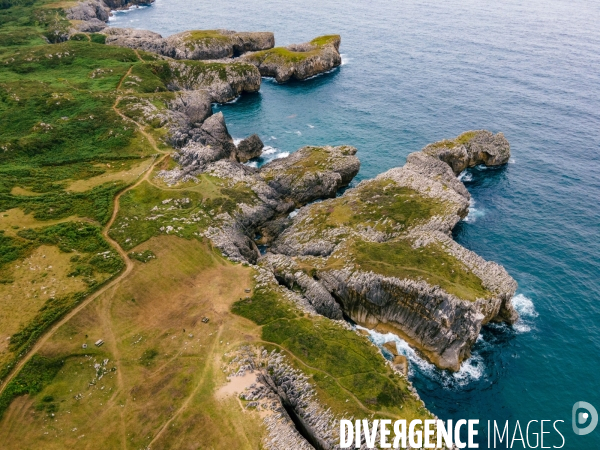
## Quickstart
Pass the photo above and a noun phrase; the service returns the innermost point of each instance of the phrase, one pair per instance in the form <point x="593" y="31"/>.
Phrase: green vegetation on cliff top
<point x="343" y="366"/>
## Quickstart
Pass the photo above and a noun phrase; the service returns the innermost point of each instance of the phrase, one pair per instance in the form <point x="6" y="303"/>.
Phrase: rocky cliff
<point x="298" y="61"/>
<point x="384" y="252"/>
<point x="194" y="45"/>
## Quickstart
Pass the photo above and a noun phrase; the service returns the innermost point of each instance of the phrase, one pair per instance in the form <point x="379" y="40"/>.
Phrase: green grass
<point x="93" y="260"/>
<point x="144" y="257"/>
<point x="430" y="263"/>
<point x="340" y="363"/>
<point x="264" y="306"/>
<point x="463" y="139"/>
<point x="282" y="55"/>
<point x="143" y="214"/>
<point x="37" y="373"/>
<point x="156" y="76"/>
<point x="378" y="200"/>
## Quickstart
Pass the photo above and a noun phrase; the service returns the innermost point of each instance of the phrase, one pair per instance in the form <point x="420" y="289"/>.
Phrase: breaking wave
<point x="471" y="370"/>
<point x="474" y="213"/>
<point x="526" y="309"/>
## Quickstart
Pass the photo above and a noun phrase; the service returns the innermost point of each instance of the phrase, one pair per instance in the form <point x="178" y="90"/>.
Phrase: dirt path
<point x="128" y="264"/>
<point x="207" y="367"/>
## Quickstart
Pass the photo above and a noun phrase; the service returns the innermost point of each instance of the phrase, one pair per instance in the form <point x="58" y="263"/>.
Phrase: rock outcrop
<point x="249" y="148"/>
<point x="277" y="191"/>
<point x="145" y="40"/>
<point x="217" y="44"/>
<point x="299" y="61"/>
<point x="312" y="173"/>
<point x="93" y="14"/>
<point x="192" y="45"/>
<point x="384" y="251"/>
<point x="471" y="149"/>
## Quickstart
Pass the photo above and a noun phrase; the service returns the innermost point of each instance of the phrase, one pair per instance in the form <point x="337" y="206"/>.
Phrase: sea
<point x="418" y="71"/>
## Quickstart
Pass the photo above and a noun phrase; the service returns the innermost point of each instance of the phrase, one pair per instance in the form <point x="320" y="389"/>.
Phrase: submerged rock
<point x="298" y="61"/>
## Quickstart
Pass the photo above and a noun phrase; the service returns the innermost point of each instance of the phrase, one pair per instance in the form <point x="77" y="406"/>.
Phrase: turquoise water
<point x="418" y="71"/>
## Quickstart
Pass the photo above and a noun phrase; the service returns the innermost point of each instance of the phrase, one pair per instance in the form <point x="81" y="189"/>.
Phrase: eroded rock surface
<point x="249" y="148"/>
<point x="298" y="61"/>
<point x="384" y="251"/>
<point x="471" y="149"/>
<point x="192" y="45"/>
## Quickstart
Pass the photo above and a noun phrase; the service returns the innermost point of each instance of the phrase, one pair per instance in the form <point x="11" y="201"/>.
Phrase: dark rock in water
<point x="299" y="61"/>
<point x="312" y="173"/>
<point x="471" y="149"/>
<point x="249" y="148"/>
<point x="391" y="347"/>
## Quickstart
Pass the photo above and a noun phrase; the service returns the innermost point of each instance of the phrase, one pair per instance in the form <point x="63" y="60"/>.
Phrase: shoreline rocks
<point x="359" y="246"/>
<point x="298" y="61"/>
<point x="191" y="45"/>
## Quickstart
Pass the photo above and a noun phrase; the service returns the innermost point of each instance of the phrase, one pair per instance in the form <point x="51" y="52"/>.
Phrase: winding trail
<point x="128" y="264"/>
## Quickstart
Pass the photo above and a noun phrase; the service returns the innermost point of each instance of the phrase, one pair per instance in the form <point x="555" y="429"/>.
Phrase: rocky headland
<point x="382" y="253"/>
<point x="298" y="61"/>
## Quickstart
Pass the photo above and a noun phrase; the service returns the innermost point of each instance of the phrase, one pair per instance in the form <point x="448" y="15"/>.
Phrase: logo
<point x="580" y="418"/>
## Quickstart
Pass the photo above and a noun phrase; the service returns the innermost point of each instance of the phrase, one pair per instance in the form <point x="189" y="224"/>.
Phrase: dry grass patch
<point x="168" y="362"/>
<point x="37" y="278"/>
<point x="125" y="172"/>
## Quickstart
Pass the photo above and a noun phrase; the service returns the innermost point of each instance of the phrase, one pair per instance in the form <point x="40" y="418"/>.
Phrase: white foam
<point x="465" y="176"/>
<point x="512" y="161"/>
<point x="298" y="132"/>
<point x="273" y="138"/>
<point x="474" y="213"/>
<point x="293" y="214"/>
<point x="282" y="155"/>
<point x="526" y="309"/>
<point x="524" y="306"/>
<point x="345" y="59"/>
<point x="252" y="164"/>
<point x="470" y="370"/>
<point x="236" y="141"/>
<point x="268" y="150"/>
<point x="309" y="125"/>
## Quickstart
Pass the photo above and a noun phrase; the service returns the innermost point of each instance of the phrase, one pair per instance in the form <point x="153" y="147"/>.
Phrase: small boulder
<point x="391" y="347"/>
<point x="249" y="148"/>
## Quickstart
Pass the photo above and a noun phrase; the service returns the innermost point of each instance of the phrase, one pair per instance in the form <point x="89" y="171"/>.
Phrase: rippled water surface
<point x="415" y="72"/>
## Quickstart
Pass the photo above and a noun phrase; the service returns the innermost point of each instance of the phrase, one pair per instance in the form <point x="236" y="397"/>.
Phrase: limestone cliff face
<point x="223" y="81"/>
<point x="299" y="61"/>
<point x="277" y="193"/>
<point x="217" y="44"/>
<point x="312" y="173"/>
<point x="384" y="251"/>
<point x="192" y="45"/>
<point x="470" y="149"/>
<point x="99" y="10"/>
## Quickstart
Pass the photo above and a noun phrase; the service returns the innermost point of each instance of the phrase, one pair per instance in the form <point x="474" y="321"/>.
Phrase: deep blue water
<point x="418" y="71"/>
